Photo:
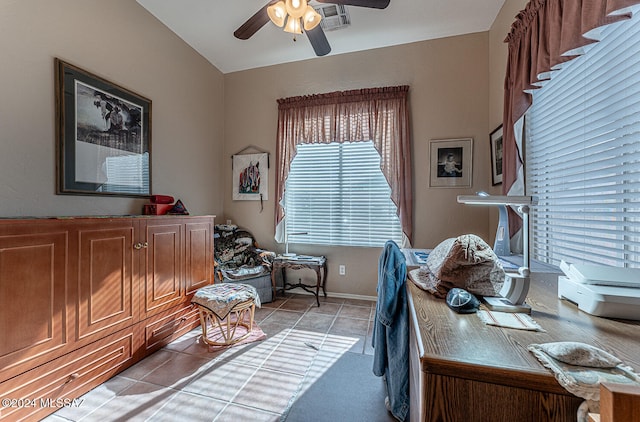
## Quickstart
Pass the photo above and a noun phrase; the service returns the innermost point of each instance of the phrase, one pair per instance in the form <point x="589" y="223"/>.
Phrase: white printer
<point x="601" y="290"/>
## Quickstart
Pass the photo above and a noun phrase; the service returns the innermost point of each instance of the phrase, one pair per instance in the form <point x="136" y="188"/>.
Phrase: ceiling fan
<point x="299" y="15"/>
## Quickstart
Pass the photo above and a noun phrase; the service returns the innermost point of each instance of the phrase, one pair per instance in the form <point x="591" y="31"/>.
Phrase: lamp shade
<point x="277" y="13"/>
<point x="293" y="25"/>
<point x="296" y="8"/>
<point x="311" y="18"/>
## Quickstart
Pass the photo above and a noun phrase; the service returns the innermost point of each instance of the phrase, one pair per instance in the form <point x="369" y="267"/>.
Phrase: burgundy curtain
<point x="544" y="35"/>
<point x="380" y="115"/>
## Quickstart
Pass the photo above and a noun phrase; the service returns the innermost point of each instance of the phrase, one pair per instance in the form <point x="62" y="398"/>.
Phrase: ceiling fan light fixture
<point x="296" y="8"/>
<point x="277" y="13"/>
<point x="311" y="18"/>
<point x="293" y="25"/>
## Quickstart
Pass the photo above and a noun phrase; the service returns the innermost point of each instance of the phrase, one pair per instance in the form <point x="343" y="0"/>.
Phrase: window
<point x="583" y="155"/>
<point x="377" y="115"/>
<point x="337" y="194"/>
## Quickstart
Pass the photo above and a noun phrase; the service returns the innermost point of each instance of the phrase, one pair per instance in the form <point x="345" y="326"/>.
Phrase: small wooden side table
<point x="315" y="263"/>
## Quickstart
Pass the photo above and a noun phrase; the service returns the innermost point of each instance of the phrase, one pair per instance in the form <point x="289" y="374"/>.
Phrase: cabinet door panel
<point x="163" y="276"/>
<point x="33" y="286"/>
<point x="107" y="295"/>
<point x="199" y="238"/>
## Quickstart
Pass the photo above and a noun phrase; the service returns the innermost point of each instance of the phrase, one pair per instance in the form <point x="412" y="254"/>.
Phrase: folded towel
<point x="519" y="321"/>
<point x="581" y="368"/>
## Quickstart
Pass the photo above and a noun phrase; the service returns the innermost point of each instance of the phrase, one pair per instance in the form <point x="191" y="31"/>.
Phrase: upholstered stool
<point x="225" y="308"/>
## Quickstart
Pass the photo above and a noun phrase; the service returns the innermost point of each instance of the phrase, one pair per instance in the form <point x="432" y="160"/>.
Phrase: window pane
<point x="337" y="194"/>
<point x="583" y="155"/>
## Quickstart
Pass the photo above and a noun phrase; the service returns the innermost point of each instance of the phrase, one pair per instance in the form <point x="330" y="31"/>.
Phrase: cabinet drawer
<point x="46" y="388"/>
<point x="168" y="326"/>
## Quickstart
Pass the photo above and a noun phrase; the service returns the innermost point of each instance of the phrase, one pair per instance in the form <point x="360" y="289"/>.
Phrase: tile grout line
<point x="260" y="366"/>
<point x="294" y="397"/>
<point x="260" y="362"/>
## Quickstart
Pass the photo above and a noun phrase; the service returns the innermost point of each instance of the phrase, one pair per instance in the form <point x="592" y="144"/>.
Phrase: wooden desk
<point x="316" y="263"/>
<point x="464" y="370"/>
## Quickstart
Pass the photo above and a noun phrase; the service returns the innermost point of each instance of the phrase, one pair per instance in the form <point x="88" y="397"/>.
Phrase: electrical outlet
<point x="342" y="269"/>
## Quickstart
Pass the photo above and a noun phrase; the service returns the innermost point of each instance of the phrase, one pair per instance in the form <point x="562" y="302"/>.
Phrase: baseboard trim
<point x="298" y="290"/>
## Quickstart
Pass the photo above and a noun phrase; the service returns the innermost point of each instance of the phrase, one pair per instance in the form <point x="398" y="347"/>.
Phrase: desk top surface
<point x="448" y="341"/>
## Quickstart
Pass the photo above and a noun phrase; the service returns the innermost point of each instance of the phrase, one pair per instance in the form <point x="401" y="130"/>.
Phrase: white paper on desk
<point x="518" y="321"/>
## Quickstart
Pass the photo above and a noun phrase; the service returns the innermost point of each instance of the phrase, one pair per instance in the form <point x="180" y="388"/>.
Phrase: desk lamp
<point x="501" y="246"/>
<point x="286" y="253"/>
<point x="516" y="284"/>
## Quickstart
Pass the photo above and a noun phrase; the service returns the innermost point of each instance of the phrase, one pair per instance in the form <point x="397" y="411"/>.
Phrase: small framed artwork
<point x="103" y="136"/>
<point x="495" y="140"/>
<point x="451" y="163"/>
<point x="250" y="173"/>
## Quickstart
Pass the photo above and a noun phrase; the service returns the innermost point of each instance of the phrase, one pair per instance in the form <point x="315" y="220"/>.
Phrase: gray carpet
<point x="348" y="391"/>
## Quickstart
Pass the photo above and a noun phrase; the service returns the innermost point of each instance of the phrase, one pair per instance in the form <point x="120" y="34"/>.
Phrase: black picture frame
<point x="495" y="141"/>
<point x="451" y="163"/>
<point x="103" y="143"/>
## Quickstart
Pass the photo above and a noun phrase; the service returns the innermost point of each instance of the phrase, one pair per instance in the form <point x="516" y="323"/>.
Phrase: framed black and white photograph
<point x="103" y="136"/>
<point x="495" y="140"/>
<point x="451" y="162"/>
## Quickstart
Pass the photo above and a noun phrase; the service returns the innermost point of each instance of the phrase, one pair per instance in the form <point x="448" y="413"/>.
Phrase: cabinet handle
<point x="145" y="245"/>
<point x="137" y="246"/>
<point x="72" y="377"/>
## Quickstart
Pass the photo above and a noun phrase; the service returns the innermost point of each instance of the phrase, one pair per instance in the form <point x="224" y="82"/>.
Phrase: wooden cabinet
<point x="83" y="298"/>
<point x="44" y="389"/>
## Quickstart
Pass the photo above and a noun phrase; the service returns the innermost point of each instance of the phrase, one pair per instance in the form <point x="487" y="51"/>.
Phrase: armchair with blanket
<point x="238" y="259"/>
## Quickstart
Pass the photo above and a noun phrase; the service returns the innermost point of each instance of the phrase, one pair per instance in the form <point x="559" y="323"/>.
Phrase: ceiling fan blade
<point x="374" y="4"/>
<point x="253" y="24"/>
<point x="319" y="41"/>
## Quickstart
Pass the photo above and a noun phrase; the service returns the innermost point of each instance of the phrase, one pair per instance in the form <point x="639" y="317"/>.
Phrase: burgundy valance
<point x="380" y="115"/>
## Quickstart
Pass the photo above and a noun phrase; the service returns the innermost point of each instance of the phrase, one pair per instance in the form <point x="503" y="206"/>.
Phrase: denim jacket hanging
<point x="391" y="329"/>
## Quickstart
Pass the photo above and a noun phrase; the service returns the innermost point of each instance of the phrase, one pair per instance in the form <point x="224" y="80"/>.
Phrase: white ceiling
<point x="208" y="26"/>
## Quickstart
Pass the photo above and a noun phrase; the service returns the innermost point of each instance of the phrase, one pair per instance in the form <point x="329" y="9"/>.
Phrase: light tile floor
<point x="251" y="382"/>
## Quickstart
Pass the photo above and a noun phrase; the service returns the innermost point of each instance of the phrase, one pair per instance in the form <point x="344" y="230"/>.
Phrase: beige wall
<point x="449" y="93"/>
<point x="122" y="42"/>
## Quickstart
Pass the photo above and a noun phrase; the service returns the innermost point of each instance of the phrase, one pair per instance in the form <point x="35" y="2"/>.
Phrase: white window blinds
<point x="337" y="194"/>
<point x="583" y="155"/>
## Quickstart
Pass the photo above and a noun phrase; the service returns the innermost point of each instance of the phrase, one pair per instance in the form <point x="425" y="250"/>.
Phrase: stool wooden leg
<point x="226" y="328"/>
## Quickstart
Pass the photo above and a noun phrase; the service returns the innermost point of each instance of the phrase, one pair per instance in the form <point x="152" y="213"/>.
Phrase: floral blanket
<point x="237" y="255"/>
